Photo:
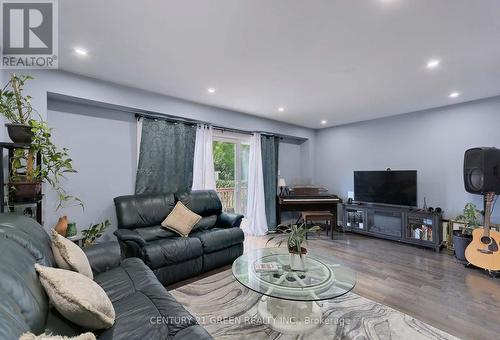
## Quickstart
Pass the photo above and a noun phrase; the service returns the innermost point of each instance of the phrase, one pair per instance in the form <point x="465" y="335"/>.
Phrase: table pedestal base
<point x="290" y="317"/>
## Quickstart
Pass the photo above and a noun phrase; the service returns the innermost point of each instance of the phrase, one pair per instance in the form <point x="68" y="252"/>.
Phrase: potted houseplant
<point x="17" y="109"/>
<point x="26" y="177"/>
<point x="295" y="236"/>
<point x="95" y="231"/>
<point x="471" y="218"/>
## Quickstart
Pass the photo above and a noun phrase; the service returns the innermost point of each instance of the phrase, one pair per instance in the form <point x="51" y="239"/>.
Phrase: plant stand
<point x="30" y="208"/>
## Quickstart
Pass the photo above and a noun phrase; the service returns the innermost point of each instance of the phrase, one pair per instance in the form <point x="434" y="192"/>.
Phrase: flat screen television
<point x="398" y="187"/>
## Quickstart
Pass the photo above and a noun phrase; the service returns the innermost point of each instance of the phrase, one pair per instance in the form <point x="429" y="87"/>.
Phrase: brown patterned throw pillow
<point x="181" y="220"/>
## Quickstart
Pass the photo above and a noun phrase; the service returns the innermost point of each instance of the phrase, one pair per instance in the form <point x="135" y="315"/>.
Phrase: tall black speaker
<point x="482" y="170"/>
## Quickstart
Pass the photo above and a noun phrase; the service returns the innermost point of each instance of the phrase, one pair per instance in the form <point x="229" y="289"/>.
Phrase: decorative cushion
<point x="31" y="336"/>
<point x="77" y="298"/>
<point x="181" y="220"/>
<point x="69" y="256"/>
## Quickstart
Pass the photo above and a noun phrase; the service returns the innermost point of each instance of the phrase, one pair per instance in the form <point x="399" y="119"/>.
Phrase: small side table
<point x="77" y="239"/>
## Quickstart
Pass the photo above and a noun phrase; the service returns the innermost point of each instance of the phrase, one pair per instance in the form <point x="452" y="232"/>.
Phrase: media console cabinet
<point x="395" y="223"/>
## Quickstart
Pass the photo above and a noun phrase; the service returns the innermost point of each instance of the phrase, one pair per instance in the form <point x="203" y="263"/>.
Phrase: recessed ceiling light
<point x="211" y="90"/>
<point x="433" y="63"/>
<point x="80" y="51"/>
<point x="281" y="109"/>
<point x="323" y="122"/>
<point x="454" y="94"/>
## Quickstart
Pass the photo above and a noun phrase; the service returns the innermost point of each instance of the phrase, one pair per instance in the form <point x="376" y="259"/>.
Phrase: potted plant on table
<point x="295" y="236"/>
<point x="95" y="231"/>
<point x="17" y="109"/>
<point x="471" y="218"/>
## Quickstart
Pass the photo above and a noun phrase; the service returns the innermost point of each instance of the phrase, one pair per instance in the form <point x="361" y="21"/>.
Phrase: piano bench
<point x="311" y="216"/>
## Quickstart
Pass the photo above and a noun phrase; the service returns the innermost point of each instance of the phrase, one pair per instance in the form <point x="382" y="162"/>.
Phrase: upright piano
<point x="308" y="198"/>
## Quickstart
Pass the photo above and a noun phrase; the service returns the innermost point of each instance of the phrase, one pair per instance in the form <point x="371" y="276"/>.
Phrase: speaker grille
<point x="476" y="179"/>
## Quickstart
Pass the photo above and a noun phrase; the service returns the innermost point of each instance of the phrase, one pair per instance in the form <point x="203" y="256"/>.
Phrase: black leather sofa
<point x="215" y="241"/>
<point x="144" y="309"/>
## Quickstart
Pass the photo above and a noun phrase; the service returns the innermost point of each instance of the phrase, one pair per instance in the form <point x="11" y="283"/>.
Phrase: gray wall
<point x="433" y="142"/>
<point x="103" y="147"/>
<point x="289" y="164"/>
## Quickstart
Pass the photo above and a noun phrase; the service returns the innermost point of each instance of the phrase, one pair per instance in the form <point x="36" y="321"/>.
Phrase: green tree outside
<point x="224" y="158"/>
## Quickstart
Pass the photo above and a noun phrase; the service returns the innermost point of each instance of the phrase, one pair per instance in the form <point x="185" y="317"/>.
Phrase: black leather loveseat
<point x="215" y="241"/>
<point x="144" y="309"/>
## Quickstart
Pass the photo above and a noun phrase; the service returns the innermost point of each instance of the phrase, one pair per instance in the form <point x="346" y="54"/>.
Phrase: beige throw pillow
<point x="181" y="220"/>
<point x="78" y="298"/>
<point x="31" y="336"/>
<point x="69" y="256"/>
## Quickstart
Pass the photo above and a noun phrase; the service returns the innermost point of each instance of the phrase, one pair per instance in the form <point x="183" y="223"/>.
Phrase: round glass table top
<point x="322" y="278"/>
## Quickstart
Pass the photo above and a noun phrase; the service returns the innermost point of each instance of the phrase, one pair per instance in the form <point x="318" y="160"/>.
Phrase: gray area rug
<point x="228" y="310"/>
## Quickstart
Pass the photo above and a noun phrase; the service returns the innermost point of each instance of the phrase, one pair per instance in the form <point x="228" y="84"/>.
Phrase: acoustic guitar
<point x="483" y="251"/>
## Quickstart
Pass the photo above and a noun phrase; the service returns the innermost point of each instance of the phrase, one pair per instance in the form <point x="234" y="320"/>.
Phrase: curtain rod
<point x="189" y="121"/>
<point x="151" y="114"/>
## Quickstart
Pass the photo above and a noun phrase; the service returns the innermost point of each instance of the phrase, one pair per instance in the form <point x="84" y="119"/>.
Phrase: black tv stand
<point x="403" y="224"/>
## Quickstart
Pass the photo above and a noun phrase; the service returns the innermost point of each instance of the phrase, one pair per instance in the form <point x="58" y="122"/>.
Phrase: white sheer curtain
<point x="256" y="222"/>
<point x="203" y="167"/>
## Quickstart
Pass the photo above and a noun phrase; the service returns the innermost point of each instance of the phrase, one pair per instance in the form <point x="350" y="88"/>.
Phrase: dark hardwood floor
<point x="429" y="286"/>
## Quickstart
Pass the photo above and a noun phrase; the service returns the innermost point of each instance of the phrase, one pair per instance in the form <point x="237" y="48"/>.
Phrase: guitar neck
<point x="488" y="199"/>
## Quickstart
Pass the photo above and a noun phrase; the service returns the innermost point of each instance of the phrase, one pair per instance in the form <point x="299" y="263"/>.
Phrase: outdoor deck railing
<point x="227" y="198"/>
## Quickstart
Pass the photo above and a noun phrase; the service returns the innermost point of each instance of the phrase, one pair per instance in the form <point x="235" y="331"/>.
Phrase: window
<point x="231" y="157"/>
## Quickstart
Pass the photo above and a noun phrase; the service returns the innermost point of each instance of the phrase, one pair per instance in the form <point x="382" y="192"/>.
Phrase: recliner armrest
<point x="130" y="235"/>
<point x="229" y="220"/>
<point x="103" y="256"/>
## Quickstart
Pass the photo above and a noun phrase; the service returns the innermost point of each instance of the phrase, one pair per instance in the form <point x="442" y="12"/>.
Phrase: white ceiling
<point x="341" y="61"/>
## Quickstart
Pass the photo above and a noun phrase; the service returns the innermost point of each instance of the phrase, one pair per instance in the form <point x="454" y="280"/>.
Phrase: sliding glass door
<point x="231" y="156"/>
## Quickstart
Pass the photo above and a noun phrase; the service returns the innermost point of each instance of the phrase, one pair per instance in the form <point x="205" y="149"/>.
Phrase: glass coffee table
<point x="290" y="301"/>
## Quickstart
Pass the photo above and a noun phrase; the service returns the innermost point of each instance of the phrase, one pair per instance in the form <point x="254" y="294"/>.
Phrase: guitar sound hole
<point x="485" y="240"/>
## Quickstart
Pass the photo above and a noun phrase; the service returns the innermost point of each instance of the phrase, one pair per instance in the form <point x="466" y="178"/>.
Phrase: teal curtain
<point x="270" y="152"/>
<point x="166" y="157"/>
